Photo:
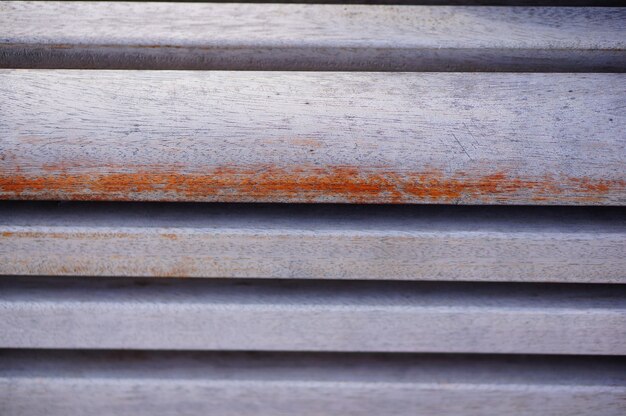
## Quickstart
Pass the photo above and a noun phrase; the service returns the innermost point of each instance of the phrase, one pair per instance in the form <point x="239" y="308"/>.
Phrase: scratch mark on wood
<point x="464" y="151"/>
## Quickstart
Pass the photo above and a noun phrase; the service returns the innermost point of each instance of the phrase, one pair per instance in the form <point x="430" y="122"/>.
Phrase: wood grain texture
<point x="560" y="3"/>
<point x="310" y="37"/>
<point x="313" y="137"/>
<point x="85" y="313"/>
<point x="141" y="383"/>
<point x="344" y="242"/>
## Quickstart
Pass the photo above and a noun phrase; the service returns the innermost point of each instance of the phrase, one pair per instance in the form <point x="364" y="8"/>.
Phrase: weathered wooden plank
<point x="313" y="137"/>
<point x="544" y="3"/>
<point x="310" y="37"/>
<point x="345" y="242"/>
<point x="85" y="313"/>
<point x="142" y="383"/>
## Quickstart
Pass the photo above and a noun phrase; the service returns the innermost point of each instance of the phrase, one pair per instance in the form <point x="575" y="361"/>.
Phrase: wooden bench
<point x="386" y="209"/>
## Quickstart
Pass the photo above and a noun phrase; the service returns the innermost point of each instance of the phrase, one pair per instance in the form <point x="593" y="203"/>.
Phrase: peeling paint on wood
<point x="313" y="137"/>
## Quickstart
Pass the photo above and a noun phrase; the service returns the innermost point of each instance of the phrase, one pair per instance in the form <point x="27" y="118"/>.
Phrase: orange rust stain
<point x="599" y="186"/>
<point x="314" y="143"/>
<point x="179" y="272"/>
<point x="305" y="184"/>
<point x="69" y="236"/>
<point x="61" y="46"/>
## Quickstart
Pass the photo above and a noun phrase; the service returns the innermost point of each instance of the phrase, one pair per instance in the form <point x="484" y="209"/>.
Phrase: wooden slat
<point x="313" y="137"/>
<point x="310" y="37"/>
<point x="544" y="3"/>
<point x="68" y="383"/>
<point x="346" y="242"/>
<point x="89" y="313"/>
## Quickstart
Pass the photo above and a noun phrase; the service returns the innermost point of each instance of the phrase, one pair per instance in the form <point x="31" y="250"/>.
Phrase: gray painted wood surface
<point x="313" y="137"/>
<point x="310" y="37"/>
<point x="98" y="313"/>
<point x="141" y="383"/>
<point x="555" y="139"/>
<point x="560" y="3"/>
<point x="345" y="242"/>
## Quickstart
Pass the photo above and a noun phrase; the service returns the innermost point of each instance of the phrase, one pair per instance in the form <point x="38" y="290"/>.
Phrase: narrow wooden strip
<point x="130" y="383"/>
<point x="310" y="37"/>
<point x="313" y="137"/>
<point x="543" y="3"/>
<point x="85" y="313"/>
<point x="275" y="241"/>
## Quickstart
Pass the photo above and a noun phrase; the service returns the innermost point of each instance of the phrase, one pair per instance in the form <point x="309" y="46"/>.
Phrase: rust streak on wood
<point x="305" y="184"/>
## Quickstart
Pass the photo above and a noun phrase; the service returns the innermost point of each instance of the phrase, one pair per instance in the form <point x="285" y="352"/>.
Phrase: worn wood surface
<point x="307" y="241"/>
<point x="560" y="3"/>
<point x="310" y="37"/>
<point x="313" y="137"/>
<point x="141" y="383"/>
<point x="555" y="139"/>
<point x="85" y="313"/>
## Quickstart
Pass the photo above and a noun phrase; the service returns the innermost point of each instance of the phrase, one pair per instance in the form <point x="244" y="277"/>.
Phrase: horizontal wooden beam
<point x="313" y="137"/>
<point x="70" y="383"/>
<point x="544" y="3"/>
<point x="139" y="35"/>
<point x="346" y="242"/>
<point x="89" y="313"/>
